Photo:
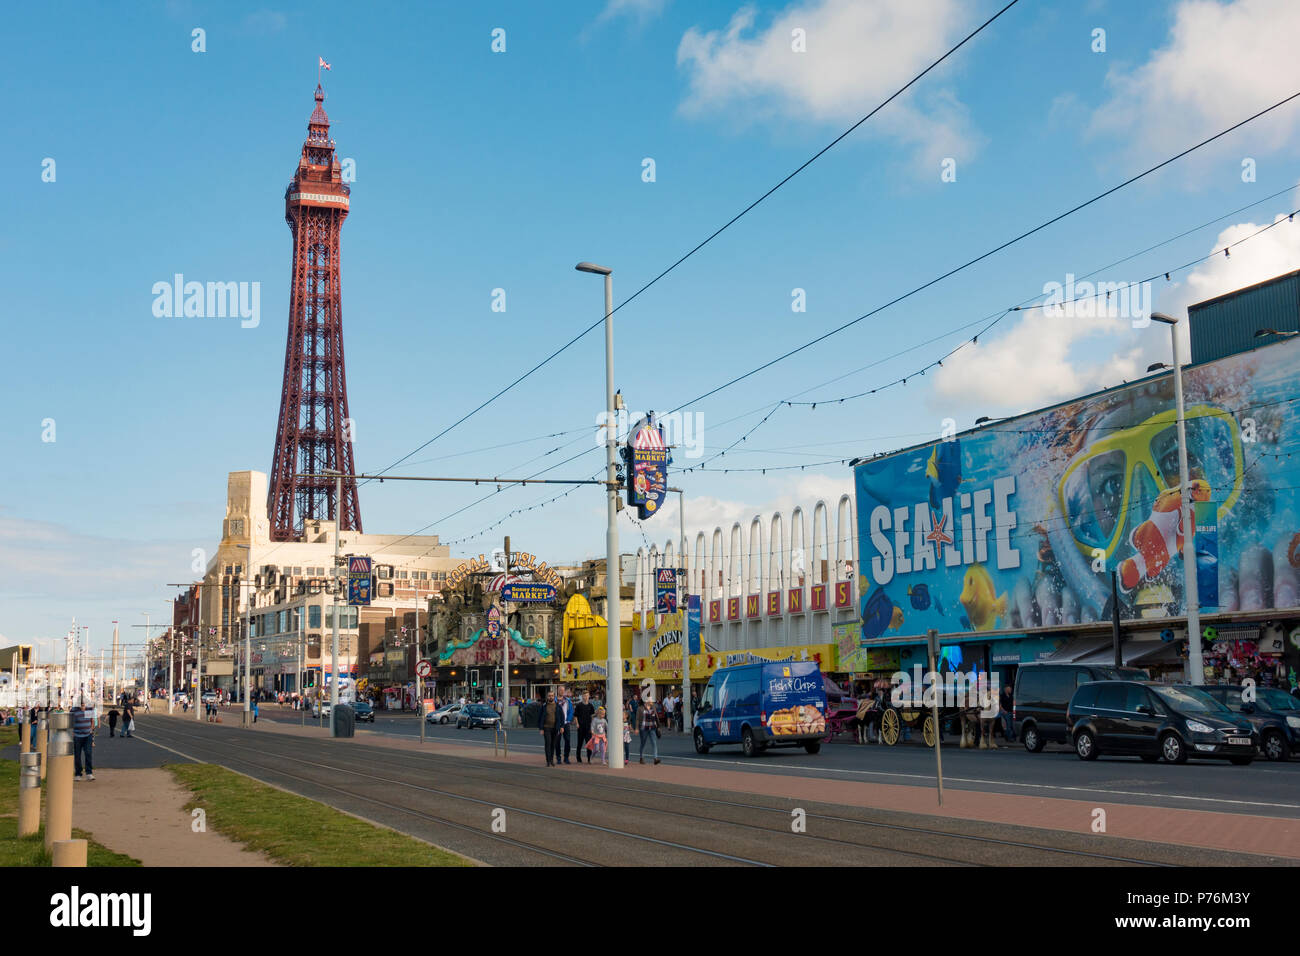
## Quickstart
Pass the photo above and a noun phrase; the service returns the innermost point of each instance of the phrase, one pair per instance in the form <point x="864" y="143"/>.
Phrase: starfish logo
<point x="939" y="533"/>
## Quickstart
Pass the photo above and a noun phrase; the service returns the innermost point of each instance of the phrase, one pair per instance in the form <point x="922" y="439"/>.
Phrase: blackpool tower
<point x="314" y="434"/>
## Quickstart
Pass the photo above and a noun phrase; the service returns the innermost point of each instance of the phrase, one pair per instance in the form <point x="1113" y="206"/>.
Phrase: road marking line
<point x="929" y="779"/>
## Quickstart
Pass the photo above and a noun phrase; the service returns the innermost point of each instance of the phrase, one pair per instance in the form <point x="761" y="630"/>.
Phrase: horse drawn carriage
<point x="966" y="704"/>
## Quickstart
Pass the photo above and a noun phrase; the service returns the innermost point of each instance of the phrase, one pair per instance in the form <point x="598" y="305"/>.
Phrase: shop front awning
<point x="1134" y="653"/>
<point x="1078" y="648"/>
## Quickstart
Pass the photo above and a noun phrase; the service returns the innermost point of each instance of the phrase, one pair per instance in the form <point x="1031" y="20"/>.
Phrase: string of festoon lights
<point x="724" y="227"/>
<point x="991" y="322"/>
<point x="987" y="323"/>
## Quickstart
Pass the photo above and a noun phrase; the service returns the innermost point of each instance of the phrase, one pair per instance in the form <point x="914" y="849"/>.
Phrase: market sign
<point x="665" y="591"/>
<point x="358" y="581"/>
<point x="647" y="458"/>
<point x="528" y="593"/>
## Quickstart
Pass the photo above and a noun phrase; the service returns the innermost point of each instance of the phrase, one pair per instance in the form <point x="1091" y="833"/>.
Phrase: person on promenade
<point x="649" y="730"/>
<point x="599" y="742"/>
<point x="548" y="720"/>
<point x="583" y="712"/>
<point x="83" y="740"/>
<point x="562" y="732"/>
<point x="112" y="721"/>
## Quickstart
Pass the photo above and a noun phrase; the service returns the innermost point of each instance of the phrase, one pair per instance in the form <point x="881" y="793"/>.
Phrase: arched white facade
<point x="763" y="583"/>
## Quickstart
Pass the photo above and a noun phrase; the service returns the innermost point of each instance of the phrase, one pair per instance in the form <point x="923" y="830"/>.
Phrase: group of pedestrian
<point x="560" y="715"/>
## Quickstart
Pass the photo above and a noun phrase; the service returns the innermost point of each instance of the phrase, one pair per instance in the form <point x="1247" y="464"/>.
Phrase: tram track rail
<point x="483" y="832"/>
<point x="958" y="848"/>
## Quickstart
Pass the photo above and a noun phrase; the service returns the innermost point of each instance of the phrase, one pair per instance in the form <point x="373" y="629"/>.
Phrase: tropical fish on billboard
<point x="983" y="606"/>
<point x="880" y="614"/>
<point x="1158" y="539"/>
<point x="920" y="595"/>
<point x="944" y="471"/>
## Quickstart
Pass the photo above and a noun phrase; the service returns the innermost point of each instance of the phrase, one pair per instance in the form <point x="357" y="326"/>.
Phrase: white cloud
<point x="1040" y="361"/>
<point x="1222" y="62"/>
<point x="856" y="55"/>
<point x="1266" y="256"/>
<point x="52" y="573"/>
<point x="1033" y="364"/>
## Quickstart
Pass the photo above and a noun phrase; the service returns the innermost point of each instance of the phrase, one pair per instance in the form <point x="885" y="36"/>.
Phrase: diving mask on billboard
<point x="1121" y="474"/>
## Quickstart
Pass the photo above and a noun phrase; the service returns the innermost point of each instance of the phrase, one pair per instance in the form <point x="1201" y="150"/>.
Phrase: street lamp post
<point x="684" y="592"/>
<point x="248" y="636"/>
<point x="171" y="661"/>
<point x="1191" y="597"/>
<point x="338" y="586"/>
<point x="614" y="679"/>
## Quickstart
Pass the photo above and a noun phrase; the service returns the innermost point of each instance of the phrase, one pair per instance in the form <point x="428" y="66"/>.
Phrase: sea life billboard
<point x="1018" y="525"/>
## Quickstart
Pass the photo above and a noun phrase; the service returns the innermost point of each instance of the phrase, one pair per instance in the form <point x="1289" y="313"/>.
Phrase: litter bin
<point x="345" y="721"/>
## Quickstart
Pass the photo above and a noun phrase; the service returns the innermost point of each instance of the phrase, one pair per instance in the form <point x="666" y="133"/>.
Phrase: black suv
<point x="1152" y="720"/>
<point x="1043" y="690"/>
<point x="1274" y="713"/>
<point x="363" y="711"/>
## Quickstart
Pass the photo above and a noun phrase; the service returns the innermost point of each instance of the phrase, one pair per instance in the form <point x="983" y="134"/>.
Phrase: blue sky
<point x="478" y="170"/>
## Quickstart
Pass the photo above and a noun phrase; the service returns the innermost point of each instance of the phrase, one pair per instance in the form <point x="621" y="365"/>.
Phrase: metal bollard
<point x="22" y="734"/>
<point x="58" y="812"/>
<point x="69" y="853"/>
<point x="29" y="794"/>
<point x="42" y="738"/>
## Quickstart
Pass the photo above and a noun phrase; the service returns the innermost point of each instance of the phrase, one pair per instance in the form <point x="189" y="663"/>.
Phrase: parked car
<point x="1274" y="713"/>
<point x="443" y="715"/>
<point x="763" y="705"/>
<point x="322" y="707"/>
<point x="1152" y="720"/>
<point x="477" y="715"/>
<point x="209" y="697"/>
<point x="363" y="711"/>
<point x="1043" y="691"/>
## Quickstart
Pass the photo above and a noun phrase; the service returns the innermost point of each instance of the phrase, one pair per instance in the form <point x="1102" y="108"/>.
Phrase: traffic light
<point x="496" y="674"/>
<point x="473" y="678"/>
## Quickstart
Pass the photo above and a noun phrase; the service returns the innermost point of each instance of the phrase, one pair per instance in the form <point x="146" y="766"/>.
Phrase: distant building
<point x="292" y="610"/>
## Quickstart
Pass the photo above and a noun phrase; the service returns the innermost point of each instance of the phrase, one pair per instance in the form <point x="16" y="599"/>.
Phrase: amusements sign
<point x="1018" y="526"/>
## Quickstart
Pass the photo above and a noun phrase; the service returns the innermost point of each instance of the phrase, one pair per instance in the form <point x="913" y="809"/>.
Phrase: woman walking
<point x="649" y="730"/>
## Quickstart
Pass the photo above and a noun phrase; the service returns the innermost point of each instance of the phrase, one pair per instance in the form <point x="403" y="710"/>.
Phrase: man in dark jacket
<point x="549" y="721"/>
<point x="562" y="735"/>
<point x="584" y="712"/>
<point x="112" y="721"/>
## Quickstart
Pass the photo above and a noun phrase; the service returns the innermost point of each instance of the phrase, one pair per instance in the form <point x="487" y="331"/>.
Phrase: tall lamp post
<point x="248" y="636"/>
<point x="171" y="660"/>
<point x="614" y="679"/>
<point x="1191" y="597"/>
<point x="338" y="587"/>
<point x="683" y="599"/>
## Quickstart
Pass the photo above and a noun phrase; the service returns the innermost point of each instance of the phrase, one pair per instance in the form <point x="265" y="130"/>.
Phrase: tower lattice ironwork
<point x="314" y="434"/>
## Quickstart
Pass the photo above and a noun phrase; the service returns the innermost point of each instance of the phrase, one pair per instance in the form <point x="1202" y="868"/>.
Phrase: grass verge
<point x="294" y="830"/>
<point x="30" y="851"/>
